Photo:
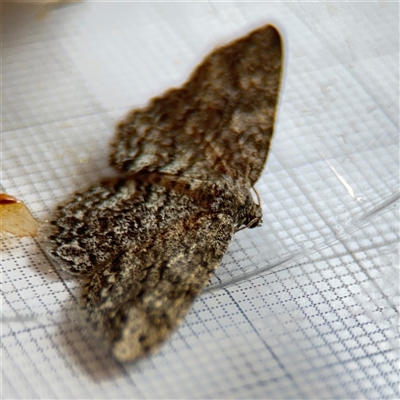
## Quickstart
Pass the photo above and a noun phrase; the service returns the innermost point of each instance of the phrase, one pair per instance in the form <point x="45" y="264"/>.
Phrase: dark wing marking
<point x="112" y="217"/>
<point x="138" y="298"/>
<point x="220" y="122"/>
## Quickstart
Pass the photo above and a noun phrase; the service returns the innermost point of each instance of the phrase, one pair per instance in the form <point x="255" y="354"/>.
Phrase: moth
<point x="147" y="242"/>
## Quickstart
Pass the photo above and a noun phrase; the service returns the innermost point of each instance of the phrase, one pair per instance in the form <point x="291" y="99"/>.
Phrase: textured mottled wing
<point x="146" y="249"/>
<point x="113" y="217"/>
<point x="220" y="122"/>
<point x="137" y="299"/>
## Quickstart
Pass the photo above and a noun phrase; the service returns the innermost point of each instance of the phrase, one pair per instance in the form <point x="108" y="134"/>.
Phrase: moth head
<point x="235" y="199"/>
<point x="255" y="218"/>
<point x="249" y="214"/>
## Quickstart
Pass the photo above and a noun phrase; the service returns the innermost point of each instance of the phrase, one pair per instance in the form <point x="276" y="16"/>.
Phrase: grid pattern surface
<point x="304" y="307"/>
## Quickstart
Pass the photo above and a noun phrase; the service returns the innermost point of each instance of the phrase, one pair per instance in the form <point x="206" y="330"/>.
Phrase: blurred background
<point x="307" y="305"/>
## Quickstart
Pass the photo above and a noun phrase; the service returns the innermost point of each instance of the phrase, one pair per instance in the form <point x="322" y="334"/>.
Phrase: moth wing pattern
<point x="112" y="217"/>
<point x="137" y="300"/>
<point x="147" y="242"/>
<point x="219" y="122"/>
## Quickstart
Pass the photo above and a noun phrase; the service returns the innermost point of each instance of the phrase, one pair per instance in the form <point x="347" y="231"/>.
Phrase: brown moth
<point x="147" y="242"/>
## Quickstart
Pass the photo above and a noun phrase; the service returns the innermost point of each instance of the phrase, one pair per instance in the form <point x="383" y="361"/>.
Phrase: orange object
<point x="15" y="217"/>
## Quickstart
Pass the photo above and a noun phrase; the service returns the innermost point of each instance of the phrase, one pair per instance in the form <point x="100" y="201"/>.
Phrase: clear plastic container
<point x="305" y="306"/>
